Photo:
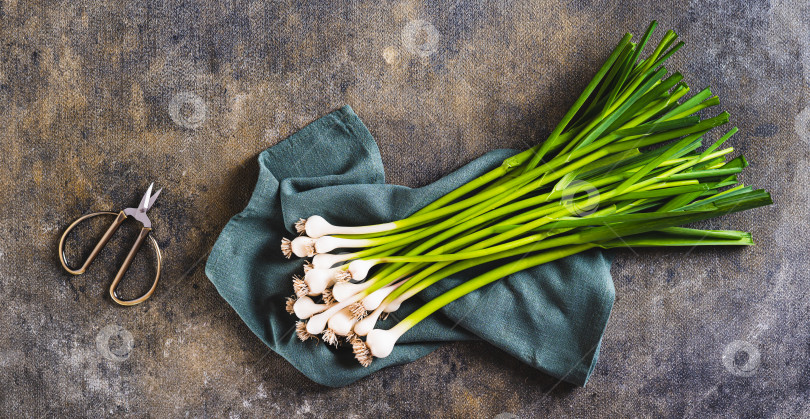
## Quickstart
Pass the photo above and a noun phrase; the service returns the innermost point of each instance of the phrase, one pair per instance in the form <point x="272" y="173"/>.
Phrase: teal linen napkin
<point x="551" y="317"/>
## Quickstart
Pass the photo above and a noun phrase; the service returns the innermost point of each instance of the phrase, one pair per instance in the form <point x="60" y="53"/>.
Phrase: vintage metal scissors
<point x="139" y="214"/>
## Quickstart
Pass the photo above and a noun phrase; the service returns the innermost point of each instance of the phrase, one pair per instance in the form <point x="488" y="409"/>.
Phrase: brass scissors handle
<point x="127" y="262"/>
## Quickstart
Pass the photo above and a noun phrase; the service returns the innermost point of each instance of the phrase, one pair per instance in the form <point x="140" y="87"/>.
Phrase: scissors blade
<point x="144" y="205"/>
<point x="153" y="199"/>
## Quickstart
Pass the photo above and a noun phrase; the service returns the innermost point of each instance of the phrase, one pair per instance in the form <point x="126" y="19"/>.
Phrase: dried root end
<point x="301" y="331"/>
<point x="289" y="305"/>
<point x="358" y="310"/>
<point x="331" y="338"/>
<point x="286" y="247"/>
<point x="301" y="226"/>
<point x="309" y="249"/>
<point x="300" y="286"/>
<point x="327" y="296"/>
<point x="308" y="266"/>
<point x="361" y="352"/>
<point x="343" y="276"/>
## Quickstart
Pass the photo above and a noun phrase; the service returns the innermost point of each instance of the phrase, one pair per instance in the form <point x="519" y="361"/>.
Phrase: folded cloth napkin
<point x="551" y="317"/>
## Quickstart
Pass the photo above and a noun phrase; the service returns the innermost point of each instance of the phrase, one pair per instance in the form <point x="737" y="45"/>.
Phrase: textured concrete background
<point x="97" y="99"/>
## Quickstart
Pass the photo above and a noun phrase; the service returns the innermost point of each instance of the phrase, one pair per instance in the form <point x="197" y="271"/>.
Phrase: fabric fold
<point x="551" y="317"/>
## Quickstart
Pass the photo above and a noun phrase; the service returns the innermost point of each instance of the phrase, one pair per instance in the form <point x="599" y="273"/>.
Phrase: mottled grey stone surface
<point x="97" y="99"/>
